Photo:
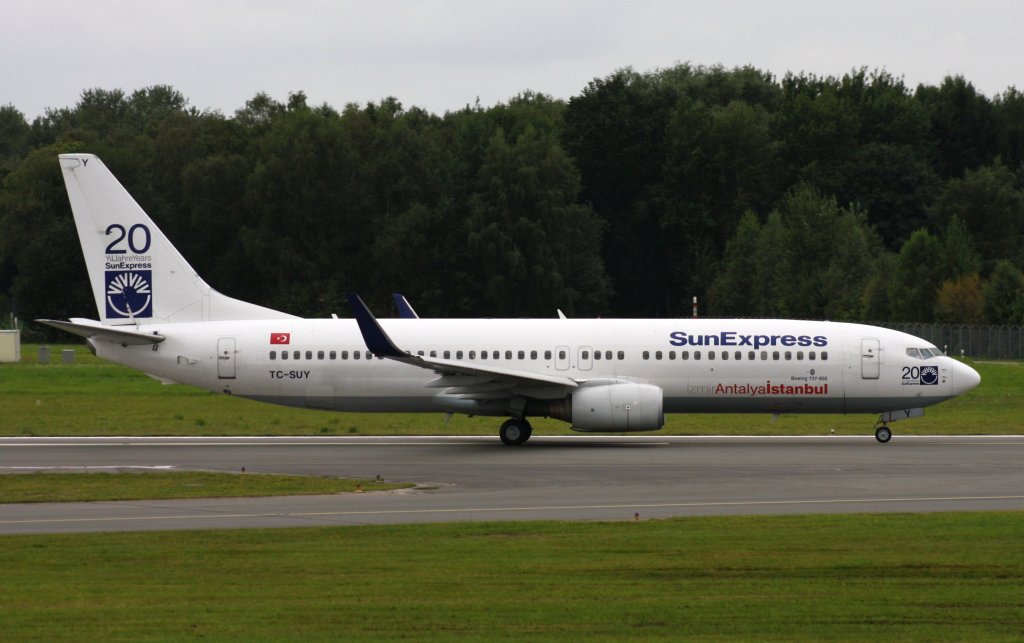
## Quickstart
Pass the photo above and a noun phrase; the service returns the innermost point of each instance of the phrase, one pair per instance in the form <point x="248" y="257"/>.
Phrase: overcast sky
<point x="444" y="54"/>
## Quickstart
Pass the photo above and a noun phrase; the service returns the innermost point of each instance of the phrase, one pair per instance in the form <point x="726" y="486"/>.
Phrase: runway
<point x="573" y="478"/>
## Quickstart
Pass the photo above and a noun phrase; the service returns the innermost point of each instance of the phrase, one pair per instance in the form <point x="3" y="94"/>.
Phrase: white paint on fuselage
<point x="832" y="385"/>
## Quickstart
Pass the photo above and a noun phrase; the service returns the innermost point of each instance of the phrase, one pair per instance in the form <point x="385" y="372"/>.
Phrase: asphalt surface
<point x="578" y="478"/>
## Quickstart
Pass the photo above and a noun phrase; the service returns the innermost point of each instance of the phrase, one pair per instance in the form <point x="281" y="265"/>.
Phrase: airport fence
<point x="975" y="341"/>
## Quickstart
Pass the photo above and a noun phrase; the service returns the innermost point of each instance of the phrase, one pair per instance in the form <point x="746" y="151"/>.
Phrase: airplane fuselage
<point x="720" y="365"/>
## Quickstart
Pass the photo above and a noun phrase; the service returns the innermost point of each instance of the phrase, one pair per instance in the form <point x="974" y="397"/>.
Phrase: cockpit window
<point x="923" y="353"/>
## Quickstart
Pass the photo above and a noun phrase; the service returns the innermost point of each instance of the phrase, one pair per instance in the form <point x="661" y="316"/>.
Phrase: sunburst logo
<point x="129" y="293"/>
<point x="929" y="375"/>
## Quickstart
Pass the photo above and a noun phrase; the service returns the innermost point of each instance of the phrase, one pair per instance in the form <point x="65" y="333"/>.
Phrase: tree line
<point x="845" y="198"/>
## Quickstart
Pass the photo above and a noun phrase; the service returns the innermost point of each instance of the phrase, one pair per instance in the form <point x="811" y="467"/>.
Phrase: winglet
<point x="405" y="310"/>
<point x="377" y="341"/>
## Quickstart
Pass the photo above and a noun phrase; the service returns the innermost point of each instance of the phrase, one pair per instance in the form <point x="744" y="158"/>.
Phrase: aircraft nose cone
<point x="964" y="378"/>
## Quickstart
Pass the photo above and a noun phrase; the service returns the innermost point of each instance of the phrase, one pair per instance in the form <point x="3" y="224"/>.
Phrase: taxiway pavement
<point x="577" y="478"/>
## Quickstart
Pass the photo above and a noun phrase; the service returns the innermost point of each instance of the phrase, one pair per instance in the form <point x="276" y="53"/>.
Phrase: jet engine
<point x="609" y="407"/>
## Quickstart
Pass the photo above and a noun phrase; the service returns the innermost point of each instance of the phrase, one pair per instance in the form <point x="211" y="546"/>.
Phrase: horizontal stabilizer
<point x="94" y="330"/>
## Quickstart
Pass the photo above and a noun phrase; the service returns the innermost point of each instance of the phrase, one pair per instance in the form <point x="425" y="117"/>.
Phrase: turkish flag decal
<point x="280" y="338"/>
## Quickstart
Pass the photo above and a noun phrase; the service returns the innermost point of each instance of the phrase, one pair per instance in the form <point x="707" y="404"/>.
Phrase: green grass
<point x="93" y="397"/>
<point x="162" y="485"/>
<point x="854" y="578"/>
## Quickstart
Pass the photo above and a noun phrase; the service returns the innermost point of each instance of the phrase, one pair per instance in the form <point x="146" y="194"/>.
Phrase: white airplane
<point x="156" y="314"/>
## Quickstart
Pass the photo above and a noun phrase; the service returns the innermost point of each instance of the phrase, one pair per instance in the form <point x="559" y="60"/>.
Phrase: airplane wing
<point x="405" y="310"/>
<point x="476" y="381"/>
<point x="94" y="330"/>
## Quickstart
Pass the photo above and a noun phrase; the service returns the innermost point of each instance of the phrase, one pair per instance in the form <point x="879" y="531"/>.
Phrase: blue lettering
<point x="732" y="338"/>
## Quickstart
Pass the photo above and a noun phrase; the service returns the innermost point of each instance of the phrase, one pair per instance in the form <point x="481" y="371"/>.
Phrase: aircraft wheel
<point x="883" y="434"/>
<point x="515" y="432"/>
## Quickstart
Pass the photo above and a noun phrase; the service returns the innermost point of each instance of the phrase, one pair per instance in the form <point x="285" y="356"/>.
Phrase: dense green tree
<point x="959" y="258"/>
<point x="960" y="301"/>
<point x="916" y="278"/>
<point x="1002" y="293"/>
<point x="615" y="129"/>
<point x="15" y="138"/>
<point x="39" y="241"/>
<point x="810" y="259"/>
<point x="962" y="124"/>
<point x="991" y="205"/>
<point x="643" y="190"/>
<point x="540" y="247"/>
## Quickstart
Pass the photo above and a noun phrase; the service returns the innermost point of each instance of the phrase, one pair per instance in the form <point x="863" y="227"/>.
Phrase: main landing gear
<point x="515" y="431"/>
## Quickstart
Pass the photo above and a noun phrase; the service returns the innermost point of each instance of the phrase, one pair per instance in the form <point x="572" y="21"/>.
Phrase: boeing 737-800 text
<point x="157" y="314"/>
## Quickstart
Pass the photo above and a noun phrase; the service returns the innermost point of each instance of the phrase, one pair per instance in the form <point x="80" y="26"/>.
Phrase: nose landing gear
<point x="882" y="433"/>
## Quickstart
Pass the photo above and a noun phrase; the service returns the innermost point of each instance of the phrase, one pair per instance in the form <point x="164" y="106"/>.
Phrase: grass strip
<point x="164" y="485"/>
<point x="850" y="577"/>
<point x="93" y="397"/>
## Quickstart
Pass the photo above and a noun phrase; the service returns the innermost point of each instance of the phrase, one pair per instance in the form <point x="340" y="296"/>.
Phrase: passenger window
<point x="333" y="355"/>
<point x="824" y="355"/>
<point x="369" y="355"/>
<point x="657" y="354"/>
<point x="810" y="355"/>
<point x="696" y="355"/>
<point x="447" y="354"/>
<point x="789" y="355"/>
<point x="533" y="354"/>
<point x="738" y="355"/>
<point x="296" y="355"/>
<point x="725" y="354"/>
<point x="273" y="355"/>
<point x="799" y="355"/>
<point x="508" y="354"/>
<point x="711" y="354"/>
<point x="775" y="355"/>
<point x="647" y="355"/>
<point x="608" y="355"/>
<point x="597" y="355"/>
<point x="309" y="354"/>
<point x="751" y="356"/>
<point x="522" y="354"/>
<point x="319" y="354"/>
<point x="547" y="355"/>
<point x="561" y="355"/>
<point x="284" y="354"/>
<point x="684" y="355"/>
<point x="585" y="355"/>
<point x="433" y="353"/>
<point x="458" y="354"/>
<point x="356" y="355"/>
<point x="420" y="353"/>
<point x="344" y="354"/>
<point x="764" y="355"/>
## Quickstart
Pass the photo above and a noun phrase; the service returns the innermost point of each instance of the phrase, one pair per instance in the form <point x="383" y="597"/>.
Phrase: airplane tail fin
<point x="137" y="275"/>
